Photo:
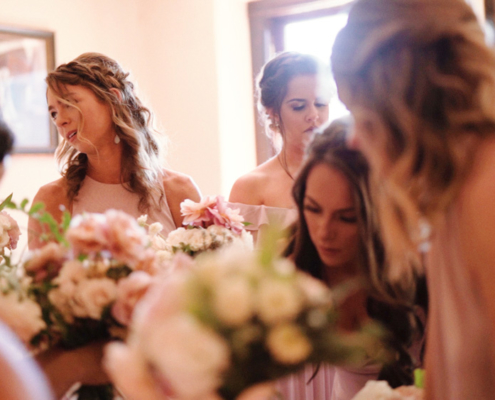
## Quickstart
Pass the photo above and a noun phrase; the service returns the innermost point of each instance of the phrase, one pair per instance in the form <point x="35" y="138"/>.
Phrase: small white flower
<point x="278" y="301"/>
<point x="142" y="220"/>
<point x="288" y="344"/>
<point x="155" y="228"/>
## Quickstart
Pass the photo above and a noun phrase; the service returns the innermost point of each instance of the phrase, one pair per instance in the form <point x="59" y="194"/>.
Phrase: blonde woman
<point x="420" y="81"/>
<point x="109" y="155"/>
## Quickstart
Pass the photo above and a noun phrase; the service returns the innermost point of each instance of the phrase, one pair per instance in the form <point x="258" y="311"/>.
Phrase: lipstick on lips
<point x="71" y="135"/>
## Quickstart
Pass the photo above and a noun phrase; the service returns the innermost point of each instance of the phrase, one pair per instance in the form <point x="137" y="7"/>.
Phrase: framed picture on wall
<point x="26" y="56"/>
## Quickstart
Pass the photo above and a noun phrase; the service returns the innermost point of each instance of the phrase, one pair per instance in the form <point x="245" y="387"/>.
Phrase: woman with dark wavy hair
<point x="109" y="156"/>
<point x="419" y="79"/>
<point x="338" y="241"/>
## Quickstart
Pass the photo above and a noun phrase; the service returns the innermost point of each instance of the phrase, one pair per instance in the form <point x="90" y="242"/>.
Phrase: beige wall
<point x="191" y="61"/>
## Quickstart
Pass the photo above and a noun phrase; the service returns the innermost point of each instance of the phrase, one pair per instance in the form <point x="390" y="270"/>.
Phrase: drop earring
<point x="116" y="140"/>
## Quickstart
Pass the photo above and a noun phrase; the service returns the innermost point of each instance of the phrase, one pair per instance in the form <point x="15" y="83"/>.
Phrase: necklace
<point x="284" y="166"/>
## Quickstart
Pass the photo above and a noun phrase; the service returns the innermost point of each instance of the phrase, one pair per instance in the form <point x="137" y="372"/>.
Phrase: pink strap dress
<point x="97" y="197"/>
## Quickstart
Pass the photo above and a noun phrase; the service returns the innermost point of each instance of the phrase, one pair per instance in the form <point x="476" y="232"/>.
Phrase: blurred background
<point x="194" y="63"/>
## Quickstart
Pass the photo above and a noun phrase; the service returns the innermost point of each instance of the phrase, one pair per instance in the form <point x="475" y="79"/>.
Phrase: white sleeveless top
<point x="97" y="197"/>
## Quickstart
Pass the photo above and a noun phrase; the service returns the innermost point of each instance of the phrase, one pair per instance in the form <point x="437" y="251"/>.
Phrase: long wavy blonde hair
<point x="419" y="77"/>
<point x="141" y="171"/>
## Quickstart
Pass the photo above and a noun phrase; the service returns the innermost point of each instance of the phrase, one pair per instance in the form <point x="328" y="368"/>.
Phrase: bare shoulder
<point x="248" y="189"/>
<point x="53" y="195"/>
<point x="180" y="185"/>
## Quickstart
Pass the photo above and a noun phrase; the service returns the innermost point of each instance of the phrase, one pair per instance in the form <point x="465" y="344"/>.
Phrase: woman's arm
<point x="179" y="187"/>
<point x="54" y="196"/>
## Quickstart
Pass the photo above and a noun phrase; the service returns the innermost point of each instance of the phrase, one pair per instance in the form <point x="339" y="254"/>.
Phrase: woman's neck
<point x="291" y="158"/>
<point x="336" y="275"/>
<point x="106" y="165"/>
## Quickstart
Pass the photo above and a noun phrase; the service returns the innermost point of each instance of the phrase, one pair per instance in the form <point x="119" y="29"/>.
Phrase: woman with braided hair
<point x="110" y="156"/>
<point x="419" y="79"/>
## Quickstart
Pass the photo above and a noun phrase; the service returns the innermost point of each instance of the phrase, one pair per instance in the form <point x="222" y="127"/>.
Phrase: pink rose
<point x="11" y="231"/>
<point x="129" y="292"/>
<point x="125" y="238"/>
<point x="87" y="233"/>
<point x="45" y="263"/>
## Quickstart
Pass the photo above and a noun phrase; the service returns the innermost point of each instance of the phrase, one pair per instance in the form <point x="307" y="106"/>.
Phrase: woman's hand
<point x="66" y="367"/>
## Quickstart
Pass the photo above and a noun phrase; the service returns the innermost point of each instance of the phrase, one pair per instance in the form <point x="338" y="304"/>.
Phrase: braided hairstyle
<point x="142" y="151"/>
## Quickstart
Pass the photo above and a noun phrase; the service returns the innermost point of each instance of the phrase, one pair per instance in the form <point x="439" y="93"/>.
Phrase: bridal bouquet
<point x="232" y="320"/>
<point x="209" y="225"/>
<point x="85" y="282"/>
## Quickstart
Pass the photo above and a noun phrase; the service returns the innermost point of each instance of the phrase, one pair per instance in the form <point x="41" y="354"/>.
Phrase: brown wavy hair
<point x="141" y="171"/>
<point x="420" y="79"/>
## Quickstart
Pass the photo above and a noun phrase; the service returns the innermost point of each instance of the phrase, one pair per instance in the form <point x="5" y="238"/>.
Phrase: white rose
<point x="315" y="291"/>
<point x="196" y="239"/>
<point x="193" y="360"/>
<point x="176" y="237"/>
<point x="288" y="344"/>
<point x="92" y="296"/>
<point x="278" y="301"/>
<point x="233" y="301"/>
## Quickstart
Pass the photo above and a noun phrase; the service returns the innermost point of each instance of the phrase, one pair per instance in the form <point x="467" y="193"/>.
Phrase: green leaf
<point x="66" y="218"/>
<point x="36" y="207"/>
<point x="23" y="204"/>
<point x="419" y="378"/>
<point x="6" y="202"/>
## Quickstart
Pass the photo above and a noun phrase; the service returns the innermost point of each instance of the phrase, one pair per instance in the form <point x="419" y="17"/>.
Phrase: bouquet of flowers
<point x="82" y="285"/>
<point x="18" y="308"/>
<point x="209" y="225"/>
<point x="234" y="319"/>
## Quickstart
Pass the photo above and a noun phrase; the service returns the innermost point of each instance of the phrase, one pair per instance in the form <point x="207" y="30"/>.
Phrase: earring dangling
<point x="116" y="140"/>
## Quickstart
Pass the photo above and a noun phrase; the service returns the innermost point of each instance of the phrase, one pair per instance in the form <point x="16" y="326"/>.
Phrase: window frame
<point x="267" y="19"/>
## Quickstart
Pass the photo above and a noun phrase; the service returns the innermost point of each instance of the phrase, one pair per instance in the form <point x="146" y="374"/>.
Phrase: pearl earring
<point x="116" y="140"/>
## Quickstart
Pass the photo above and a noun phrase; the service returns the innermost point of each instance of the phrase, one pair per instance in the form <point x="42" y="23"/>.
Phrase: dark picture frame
<point x="26" y="56"/>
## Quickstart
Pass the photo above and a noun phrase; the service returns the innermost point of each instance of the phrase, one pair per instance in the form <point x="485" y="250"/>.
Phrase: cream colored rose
<point x="288" y="344"/>
<point x="23" y="316"/>
<point x="193" y="360"/>
<point x="314" y="290"/>
<point x="233" y="301"/>
<point x="278" y="301"/>
<point x="92" y="296"/>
